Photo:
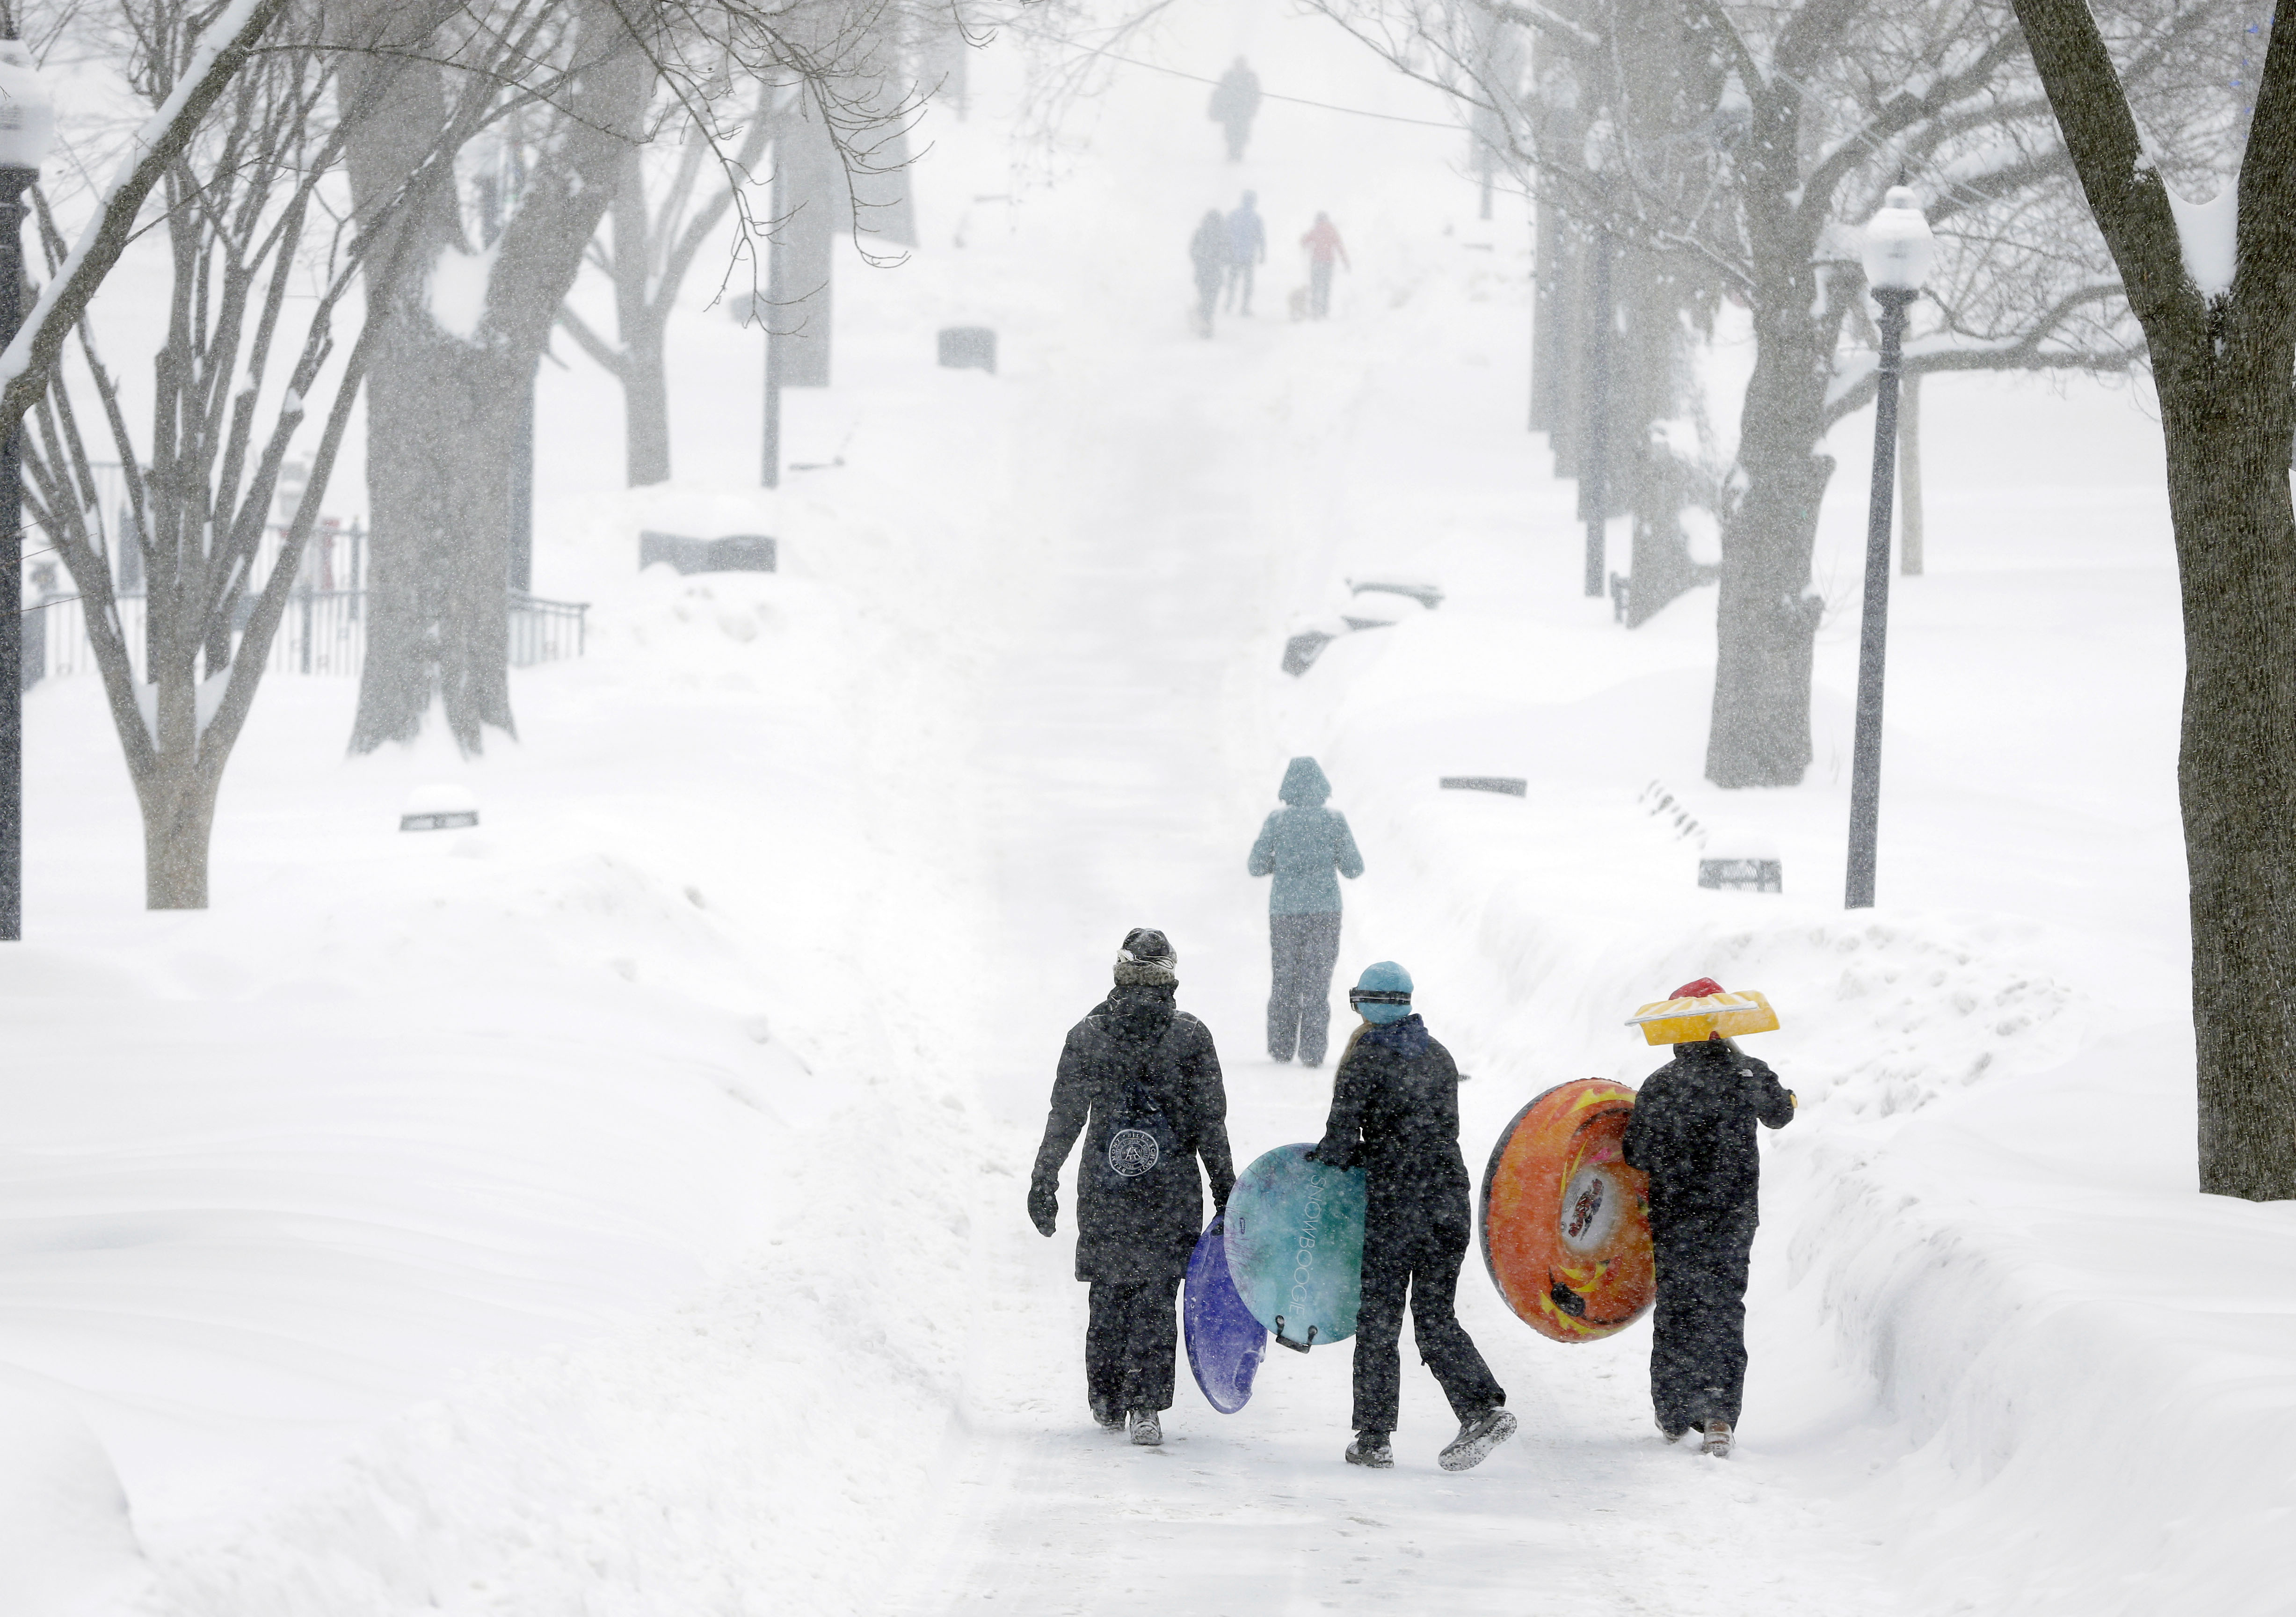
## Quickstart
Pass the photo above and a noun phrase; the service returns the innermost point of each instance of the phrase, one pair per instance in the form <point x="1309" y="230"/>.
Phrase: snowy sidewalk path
<point x="1123" y="756"/>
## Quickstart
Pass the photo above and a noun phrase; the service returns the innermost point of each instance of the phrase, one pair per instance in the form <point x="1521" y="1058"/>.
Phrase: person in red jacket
<point x="1323" y="244"/>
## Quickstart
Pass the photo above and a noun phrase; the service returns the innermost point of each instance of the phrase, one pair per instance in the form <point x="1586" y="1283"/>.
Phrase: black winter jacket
<point x="1143" y="1229"/>
<point x="1692" y="1131"/>
<point x="1395" y="1113"/>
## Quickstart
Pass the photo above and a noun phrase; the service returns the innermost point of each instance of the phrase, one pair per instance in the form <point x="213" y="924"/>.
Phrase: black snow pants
<point x="1303" y="950"/>
<point x="1425" y="1260"/>
<point x="1698" y="1344"/>
<point x="1130" y="1343"/>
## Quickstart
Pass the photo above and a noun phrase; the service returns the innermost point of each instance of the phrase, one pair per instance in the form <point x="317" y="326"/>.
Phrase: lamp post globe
<point x="1897" y="251"/>
<point x="1899" y="247"/>
<point x="27" y="124"/>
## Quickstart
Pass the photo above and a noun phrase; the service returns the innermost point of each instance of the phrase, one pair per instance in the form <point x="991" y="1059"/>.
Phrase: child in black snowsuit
<point x="1693" y="1132"/>
<point x="1395" y="1113"/>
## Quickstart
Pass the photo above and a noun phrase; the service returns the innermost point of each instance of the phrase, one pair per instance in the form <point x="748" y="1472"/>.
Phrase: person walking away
<point x="1301" y="845"/>
<point x="1693" y="1132"/>
<point x="1207" y="252"/>
<point x="1247" y="248"/>
<point x="1235" y="101"/>
<point x="1323" y="244"/>
<point x="1395" y="1113"/>
<point x="1140" y="1081"/>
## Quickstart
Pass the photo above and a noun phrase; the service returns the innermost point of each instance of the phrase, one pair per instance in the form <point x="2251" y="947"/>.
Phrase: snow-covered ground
<point x="617" y="1208"/>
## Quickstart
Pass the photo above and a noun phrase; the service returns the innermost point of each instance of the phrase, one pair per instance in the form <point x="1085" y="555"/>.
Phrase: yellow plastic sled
<point x="1683" y="1021"/>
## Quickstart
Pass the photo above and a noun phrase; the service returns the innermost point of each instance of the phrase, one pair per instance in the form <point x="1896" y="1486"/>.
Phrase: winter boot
<point x="1371" y="1449"/>
<point x="1147" y="1431"/>
<point x="1718" y="1440"/>
<point x="1105" y="1412"/>
<point x="1476" y="1439"/>
<point x="1673" y="1433"/>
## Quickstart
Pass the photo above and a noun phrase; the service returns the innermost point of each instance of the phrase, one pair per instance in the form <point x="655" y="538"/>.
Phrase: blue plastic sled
<point x="1225" y="1344"/>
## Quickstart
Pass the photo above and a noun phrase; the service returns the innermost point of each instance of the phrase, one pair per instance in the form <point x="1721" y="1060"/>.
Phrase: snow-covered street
<point x="618" y="1208"/>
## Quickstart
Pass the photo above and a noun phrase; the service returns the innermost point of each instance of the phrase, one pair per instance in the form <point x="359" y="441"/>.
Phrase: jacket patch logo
<point x="1133" y="1151"/>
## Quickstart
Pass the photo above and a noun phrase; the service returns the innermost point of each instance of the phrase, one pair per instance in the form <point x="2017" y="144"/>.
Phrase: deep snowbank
<point x="2081" y="1387"/>
<point x="528" y="1218"/>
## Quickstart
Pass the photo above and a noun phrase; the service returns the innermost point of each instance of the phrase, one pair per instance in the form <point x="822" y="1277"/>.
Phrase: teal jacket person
<point x="1302" y="845"/>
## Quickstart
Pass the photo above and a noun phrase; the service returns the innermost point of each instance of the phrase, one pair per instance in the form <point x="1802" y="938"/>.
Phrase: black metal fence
<point x="324" y="632"/>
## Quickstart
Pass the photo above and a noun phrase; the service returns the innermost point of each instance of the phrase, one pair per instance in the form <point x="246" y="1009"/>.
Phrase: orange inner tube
<point x="1566" y="1223"/>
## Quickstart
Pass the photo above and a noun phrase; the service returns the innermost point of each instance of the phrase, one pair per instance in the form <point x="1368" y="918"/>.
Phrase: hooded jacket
<point x="1693" y="1132"/>
<point x="1143" y="1230"/>
<point x="1302" y="844"/>
<point x="1395" y="1114"/>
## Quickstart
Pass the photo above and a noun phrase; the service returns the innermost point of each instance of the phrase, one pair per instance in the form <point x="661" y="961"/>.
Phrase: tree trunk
<point x="645" y="399"/>
<point x="815" y="212"/>
<point x="2221" y="365"/>
<point x="2228" y="497"/>
<point x="178" y="806"/>
<point x="1662" y="567"/>
<point x="441" y="407"/>
<point x="441" y="421"/>
<point x="1766" y="618"/>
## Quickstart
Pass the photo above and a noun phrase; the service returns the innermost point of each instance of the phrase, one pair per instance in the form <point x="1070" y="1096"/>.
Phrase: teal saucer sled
<point x="1295" y="1239"/>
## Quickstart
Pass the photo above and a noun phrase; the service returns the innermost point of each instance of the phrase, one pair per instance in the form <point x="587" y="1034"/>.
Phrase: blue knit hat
<point x="1382" y="994"/>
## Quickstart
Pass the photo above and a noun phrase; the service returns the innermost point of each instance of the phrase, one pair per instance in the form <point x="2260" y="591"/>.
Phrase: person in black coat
<point x="1395" y="1113"/>
<point x="1693" y="1133"/>
<point x="1140" y="1081"/>
<point x="1207" y="252"/>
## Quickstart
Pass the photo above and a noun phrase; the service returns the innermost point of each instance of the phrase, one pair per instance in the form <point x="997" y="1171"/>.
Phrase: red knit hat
<point x="1699" y="989"/>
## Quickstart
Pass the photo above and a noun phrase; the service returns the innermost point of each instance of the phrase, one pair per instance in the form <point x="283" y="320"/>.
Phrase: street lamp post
<point x="1898" y="250"/>
<point x="28" y="122"/>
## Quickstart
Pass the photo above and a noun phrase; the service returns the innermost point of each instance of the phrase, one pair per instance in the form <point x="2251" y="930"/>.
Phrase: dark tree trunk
<point x="2221" y="365"/>
<point x="2228" y="451"/>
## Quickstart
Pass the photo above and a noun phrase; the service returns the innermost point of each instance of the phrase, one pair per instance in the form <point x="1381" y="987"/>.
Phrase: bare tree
<point x="1756" y="158"/>
<point x="571" y="83"/>
<point x="225" y="40"/>
<point x="458" y="339"/>
<point x="657" y="234"/>
<point x="245" y="199"/>
<point x="2211" y="285"/>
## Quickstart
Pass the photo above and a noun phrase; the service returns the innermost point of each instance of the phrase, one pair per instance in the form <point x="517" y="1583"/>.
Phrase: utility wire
<point x="1296" y="101"/>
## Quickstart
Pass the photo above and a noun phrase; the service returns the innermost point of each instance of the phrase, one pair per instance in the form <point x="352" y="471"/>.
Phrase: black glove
<point x="1044" y="1209"/>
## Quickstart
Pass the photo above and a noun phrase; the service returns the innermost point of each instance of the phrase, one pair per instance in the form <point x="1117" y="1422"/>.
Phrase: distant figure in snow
<point x="1693" y="1132"/>
<point x="1395" y="1114"/>
<point x="1301" y="845"/>
<point x="1207" y="252"/>
<point x="1246" y="247"/>
<point x="1235" y="101"/>
<point x="1323" y="244"/>
<point x="1140" y="1081"/>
